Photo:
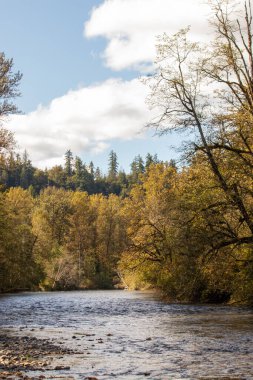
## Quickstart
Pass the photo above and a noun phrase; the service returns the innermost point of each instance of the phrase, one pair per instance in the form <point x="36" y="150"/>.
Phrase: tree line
<point x="18" y="171"/>
<point x="165" y="234"/>
<point x="187" y="232"/>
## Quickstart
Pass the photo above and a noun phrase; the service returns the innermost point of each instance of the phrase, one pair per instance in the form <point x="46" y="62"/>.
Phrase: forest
<point x="186" y="231"/>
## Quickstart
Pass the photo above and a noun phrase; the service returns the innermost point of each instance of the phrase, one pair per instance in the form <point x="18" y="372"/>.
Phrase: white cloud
<point x="131" y="27"/>
<point x="86" y="119"/>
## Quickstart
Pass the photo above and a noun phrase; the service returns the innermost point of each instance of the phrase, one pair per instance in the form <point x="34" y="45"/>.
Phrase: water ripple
<point x="133" y="335"/>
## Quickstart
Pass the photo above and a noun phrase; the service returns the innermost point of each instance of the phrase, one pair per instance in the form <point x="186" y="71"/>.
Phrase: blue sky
<point x="81" y="60"/>
<point x="45" y="39"/>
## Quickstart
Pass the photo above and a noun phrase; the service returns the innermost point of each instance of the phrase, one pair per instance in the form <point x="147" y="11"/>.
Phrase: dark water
<point x="136" y="335"/>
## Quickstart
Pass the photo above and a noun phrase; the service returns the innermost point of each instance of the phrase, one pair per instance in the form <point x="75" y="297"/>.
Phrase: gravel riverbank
<point x="20" y="355"/>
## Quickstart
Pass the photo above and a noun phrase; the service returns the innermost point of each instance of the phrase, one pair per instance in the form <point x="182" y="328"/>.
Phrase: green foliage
<point x="75" y="175"/>
<point x="112" y="165"/>
<point x="68" y="163"/>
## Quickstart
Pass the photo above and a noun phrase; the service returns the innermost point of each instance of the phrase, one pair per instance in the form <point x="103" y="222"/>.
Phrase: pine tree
<point x="149" y="160"/>
<point x="27" y="170"/>
<point x="68" y="163"/>
<point x="97" y="174"/>
<point x="140" y="164"/>
<point x="91" y="169"/>
<point x="78" y="172"/>
<point x="137" y="168"/>
<point x="112" y="166"/>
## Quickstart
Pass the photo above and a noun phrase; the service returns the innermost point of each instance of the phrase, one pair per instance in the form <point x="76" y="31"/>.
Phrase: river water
<point x="133" y="335"/>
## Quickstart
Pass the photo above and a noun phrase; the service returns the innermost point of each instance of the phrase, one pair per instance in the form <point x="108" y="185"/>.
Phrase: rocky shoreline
<point x="20" y="355"/>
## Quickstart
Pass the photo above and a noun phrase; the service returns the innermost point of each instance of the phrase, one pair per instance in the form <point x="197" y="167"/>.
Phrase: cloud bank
<point x="86" y="119"/>
<point x="131" y="27"/>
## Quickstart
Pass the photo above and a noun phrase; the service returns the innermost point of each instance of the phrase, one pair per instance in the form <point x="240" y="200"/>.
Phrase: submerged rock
<point x="61" y="367"/>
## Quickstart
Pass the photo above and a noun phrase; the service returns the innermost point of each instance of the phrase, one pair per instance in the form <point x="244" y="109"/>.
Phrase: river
<point x="134" y="335"/>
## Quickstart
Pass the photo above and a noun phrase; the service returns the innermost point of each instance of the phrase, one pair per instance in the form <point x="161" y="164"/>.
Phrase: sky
<point x="81" y="62"/>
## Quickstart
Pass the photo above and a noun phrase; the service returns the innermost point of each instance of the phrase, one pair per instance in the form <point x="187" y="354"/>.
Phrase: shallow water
<point x="134" y="335"/>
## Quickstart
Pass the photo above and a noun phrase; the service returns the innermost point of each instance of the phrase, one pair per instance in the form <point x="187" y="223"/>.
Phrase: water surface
<point x="134" y="335"/>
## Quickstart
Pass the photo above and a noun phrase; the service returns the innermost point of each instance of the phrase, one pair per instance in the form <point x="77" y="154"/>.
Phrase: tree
<point x="97" y="174"/>
<point x="78" y="177"/>
<point x="9" y="82"/>
<point x="140" y="164"/>
<point x="137" y="168"/>
<point x="110" y="240"/>
<point x="13" y="168"/>
<point x="149" y="160"/>
<point x="6" y="140"/>
<point x="40" y="180"/>
<point x="57" y="176"/>
<point x="27" y="171"/>
<point x="91" y="169"/>
<point x="122" y="180"/>
<point x="19" y="269"/>
<point x="112" y="165"/>
<point x="180" y="89"/>
<point x="68" y="163"/>
<point x="51" y="224"/>
<point x="150" y="228"/>
<point x="80" y="240"/>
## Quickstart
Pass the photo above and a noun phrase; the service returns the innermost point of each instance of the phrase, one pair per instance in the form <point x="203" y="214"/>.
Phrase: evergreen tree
<point x="68" y="163"/>
<point x="137" y="168"/>
<point x="10" y="170"/>
<point x="26" y="175"/>
<point x="155" y="159"/>
<point x="40" y="180"/>
<point x="122" y="178"/>
<point x="149" y="160"/>
<point x="134" y="171"/>
<point x="140" y="164"/>
<point x="78" y="172"/>
<point x="172" y="163"/>
<point x="112" y="165"/>
<point x="97" y="174"/>
<point x="91" y="169"/>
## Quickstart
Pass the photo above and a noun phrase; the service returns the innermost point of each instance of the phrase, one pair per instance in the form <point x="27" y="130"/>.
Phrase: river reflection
<point x="133" y="335"/>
